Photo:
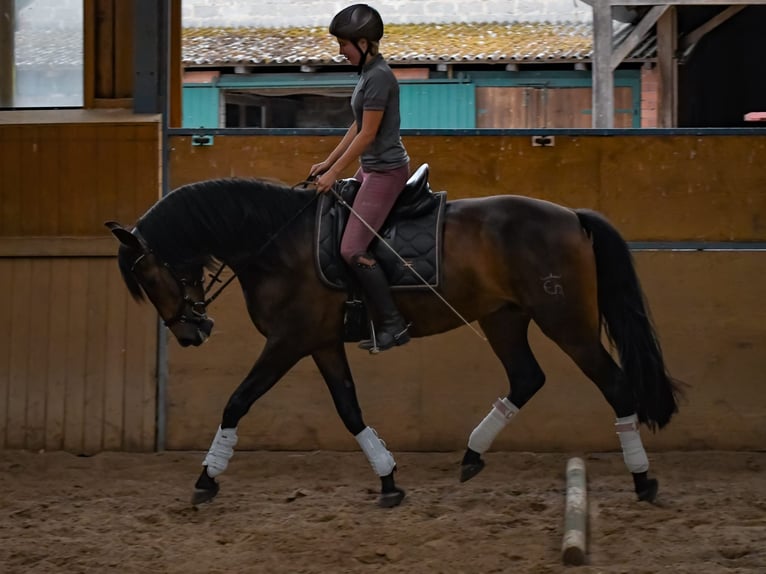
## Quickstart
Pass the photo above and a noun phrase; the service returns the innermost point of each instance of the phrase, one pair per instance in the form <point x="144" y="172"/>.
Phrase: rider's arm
<point x="340" y="148"/>
<point x="371" y="120"/>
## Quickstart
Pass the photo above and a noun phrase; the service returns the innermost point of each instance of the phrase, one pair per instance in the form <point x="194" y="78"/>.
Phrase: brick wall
<point x="649" y="97"/>
<point x="280" y="13"/>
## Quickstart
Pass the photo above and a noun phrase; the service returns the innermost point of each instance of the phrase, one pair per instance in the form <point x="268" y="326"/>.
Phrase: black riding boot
<point x="392" y="329"/>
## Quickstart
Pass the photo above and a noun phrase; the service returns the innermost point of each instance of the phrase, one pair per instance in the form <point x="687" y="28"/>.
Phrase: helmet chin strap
<point x="363" y="55"/>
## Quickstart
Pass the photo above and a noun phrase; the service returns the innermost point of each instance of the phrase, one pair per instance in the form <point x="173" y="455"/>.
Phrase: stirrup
<point x="377" y="344"/>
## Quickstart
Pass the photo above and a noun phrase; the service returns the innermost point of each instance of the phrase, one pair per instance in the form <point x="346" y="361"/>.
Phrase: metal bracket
<point x="543" y="141"/>
<point x="202" y="140"/>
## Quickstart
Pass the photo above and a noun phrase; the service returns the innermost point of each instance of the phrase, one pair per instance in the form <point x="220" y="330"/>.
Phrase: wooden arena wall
<point x="707" y="305"/>
<point x="77" y="355"/>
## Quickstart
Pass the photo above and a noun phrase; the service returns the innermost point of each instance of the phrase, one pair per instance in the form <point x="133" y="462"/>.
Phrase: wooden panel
<point x="69" y="377"/>
<point x="19" y="354"/>
<point x="532" y="107"/>
<point x="10" y="182"/>
<point x="503" y="107"/>
<point x="140" y="390"/>
<point x="39" y="335"/>
<point x="67" y="179"/>
<point x="74" y="399"/>
<point x="57" y="348"/>
<point x="57" y="246"/>
<point x="95" y="357"/>
<point x="570" y="108"/>
<point x="654" y="188"/>
<point x="6" y="336"/>
<point x="430" y="394"/>
<point x="114" y="371"/>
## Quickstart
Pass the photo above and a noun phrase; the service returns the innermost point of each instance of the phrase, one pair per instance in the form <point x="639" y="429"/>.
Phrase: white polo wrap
<point x="222" y="449"/>
<point x="482" y="436"/>
<point x="633" y="452"/>
<point x="380" y="458"/>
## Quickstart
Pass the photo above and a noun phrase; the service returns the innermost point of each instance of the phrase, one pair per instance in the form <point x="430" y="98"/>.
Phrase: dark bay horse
<point x="508" y="260"/>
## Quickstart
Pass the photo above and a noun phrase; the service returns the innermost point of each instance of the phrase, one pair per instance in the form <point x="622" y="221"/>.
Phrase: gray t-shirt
<point x="378" y="89"/>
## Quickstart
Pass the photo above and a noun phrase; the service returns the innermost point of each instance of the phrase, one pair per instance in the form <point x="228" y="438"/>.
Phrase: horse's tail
<point x="625" y="316"/>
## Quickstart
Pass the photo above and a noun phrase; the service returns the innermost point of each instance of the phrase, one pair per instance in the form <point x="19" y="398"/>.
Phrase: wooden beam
<point x="105" y="31"/>
<point x="603" y="80"/>
<point x="7" y="52"/>
<point x="638" y="34"/>
<point x="667" y="63"/>
<point x="688" y="41"/>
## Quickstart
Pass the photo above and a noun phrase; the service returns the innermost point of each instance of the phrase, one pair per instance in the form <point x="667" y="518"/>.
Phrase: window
<point x="287" y="110"/>
<point x="41" y="53"/>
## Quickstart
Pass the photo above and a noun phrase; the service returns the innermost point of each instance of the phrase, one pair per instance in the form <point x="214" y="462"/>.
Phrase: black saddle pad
<point x="416" y="235"/>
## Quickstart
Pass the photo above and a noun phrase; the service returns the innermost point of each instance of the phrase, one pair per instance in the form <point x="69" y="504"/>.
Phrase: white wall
<point x="282" y="13"/>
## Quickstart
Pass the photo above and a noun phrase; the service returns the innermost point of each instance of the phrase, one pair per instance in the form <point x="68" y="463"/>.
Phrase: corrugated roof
<point x="403" y="44"/>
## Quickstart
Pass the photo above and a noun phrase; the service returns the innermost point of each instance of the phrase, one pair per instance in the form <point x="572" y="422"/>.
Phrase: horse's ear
<point x="125" y="237"/>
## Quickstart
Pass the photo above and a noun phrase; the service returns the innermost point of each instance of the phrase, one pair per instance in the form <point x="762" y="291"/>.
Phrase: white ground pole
<point x="576" y="516"/>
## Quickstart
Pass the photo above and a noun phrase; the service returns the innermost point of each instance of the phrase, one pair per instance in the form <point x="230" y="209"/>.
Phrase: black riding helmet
<point x="356" y="22"/>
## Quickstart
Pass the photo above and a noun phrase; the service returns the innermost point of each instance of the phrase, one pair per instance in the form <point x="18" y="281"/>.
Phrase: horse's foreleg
<point x="333" y="365"/>
<point x="273" y="363"/>
<point x="506" y="331"/>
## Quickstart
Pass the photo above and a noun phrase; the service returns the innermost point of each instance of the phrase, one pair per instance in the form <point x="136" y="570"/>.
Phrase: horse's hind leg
<point x="582" y="344"/>
<point x="599" y="366"/>
<point x="333" y="365"/>
<point x="506" y="330"/>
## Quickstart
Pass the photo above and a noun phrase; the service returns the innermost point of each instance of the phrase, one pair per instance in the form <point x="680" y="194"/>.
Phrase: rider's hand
<point x="326" y="181"/>
<point x="318" y="169"/>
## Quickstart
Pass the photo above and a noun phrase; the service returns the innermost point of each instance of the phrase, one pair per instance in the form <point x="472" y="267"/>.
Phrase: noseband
<point x="198" y="308"/>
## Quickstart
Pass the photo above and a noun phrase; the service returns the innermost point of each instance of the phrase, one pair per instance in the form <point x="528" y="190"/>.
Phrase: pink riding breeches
<point x="373" y="203"/>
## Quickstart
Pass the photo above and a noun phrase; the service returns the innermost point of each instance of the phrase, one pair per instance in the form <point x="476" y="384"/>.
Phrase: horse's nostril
<point x="206" y="326"/>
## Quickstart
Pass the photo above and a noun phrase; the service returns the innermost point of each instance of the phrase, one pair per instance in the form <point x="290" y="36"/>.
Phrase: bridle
<point x="198" y="308"/>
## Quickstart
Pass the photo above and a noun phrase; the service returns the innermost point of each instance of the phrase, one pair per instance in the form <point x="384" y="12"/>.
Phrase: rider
<point x="374" y="139"/>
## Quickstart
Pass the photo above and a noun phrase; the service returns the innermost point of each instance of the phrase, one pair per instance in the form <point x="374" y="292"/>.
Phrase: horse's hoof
<point x="649" y="491"/>
<point x="202" y="495"/>
<point x="391" y="499"/>
<point x="468" y="471"/>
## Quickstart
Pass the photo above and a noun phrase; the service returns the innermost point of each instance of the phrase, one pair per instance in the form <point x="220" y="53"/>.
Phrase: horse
<point x="507" y="260"/>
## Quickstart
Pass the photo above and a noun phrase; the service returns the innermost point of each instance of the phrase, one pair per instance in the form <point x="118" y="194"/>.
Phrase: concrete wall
<point x="272" y="13"/>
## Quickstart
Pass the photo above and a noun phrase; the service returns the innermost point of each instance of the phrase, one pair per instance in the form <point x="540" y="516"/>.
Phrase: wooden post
<point x="603" y="79"/>
<point x="573" y="548"/>
<point x="7" y="52"/>
<point x="667" y="44"/>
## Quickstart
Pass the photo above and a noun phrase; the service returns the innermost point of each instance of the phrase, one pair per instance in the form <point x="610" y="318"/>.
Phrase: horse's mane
<point x="222" y="219"/>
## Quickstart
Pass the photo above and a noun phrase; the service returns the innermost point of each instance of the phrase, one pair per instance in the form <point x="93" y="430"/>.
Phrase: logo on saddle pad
<point x="413" y="229"/>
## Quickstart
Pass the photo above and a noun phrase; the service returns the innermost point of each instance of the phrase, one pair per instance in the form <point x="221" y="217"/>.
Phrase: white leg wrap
<point x="222" y="449"/>
<point x="380" y="458"/>
<point x="482" y="436"/>
<point x="633" y="452"/>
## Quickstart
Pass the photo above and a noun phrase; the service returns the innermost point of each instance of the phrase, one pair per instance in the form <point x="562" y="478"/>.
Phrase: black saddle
<point x="413" y="229"/>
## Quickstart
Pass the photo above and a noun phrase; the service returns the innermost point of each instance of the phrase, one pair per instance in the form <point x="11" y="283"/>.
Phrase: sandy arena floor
<point x="316" y="512"/>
